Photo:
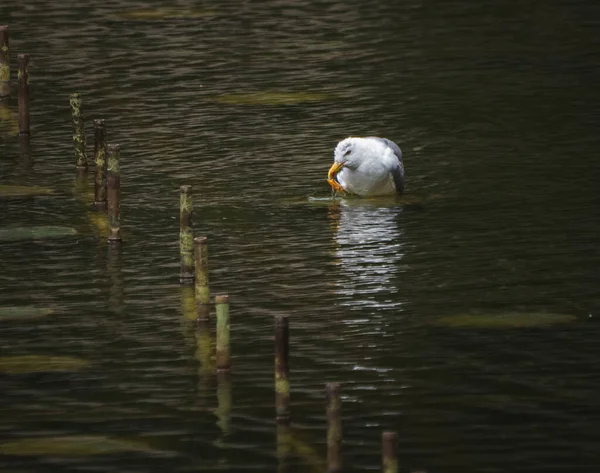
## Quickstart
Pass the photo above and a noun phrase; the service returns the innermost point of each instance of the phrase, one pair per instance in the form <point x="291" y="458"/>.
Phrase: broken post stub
<point x="334" y="428"/>
<point x="114" y="194"/>
<point x="100" y="164"/>
<point x="23" y="79"/>
<point x="389" y="447"/>
<point x="282" y="383"/>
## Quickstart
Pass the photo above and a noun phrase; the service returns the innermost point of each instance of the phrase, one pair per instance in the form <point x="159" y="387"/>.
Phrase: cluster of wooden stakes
<point x="193" y="256"/>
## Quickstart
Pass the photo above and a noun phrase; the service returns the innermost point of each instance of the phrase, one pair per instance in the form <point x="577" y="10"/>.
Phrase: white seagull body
<point x="367" y="167"/>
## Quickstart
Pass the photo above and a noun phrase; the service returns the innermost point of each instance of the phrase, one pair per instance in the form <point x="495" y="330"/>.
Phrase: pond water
<point x="495" y="108"/>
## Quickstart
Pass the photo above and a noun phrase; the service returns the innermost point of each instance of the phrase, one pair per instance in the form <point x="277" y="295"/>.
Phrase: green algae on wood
<point x="40" y="364"/>
<point x="100" y="164"/>
<point x="113" y="198"/>
<point x="282" y="384"/>
<point x="23" y="80"/>
<point x="35" y="233"/>
<point x="79" y="142"/>
<point x="186" y="235"/>
<point x="505" y="320"/>
<point x="201" y="270"/>
<point x="23" y="313"/>
<point x="272" y="98"/>
<point x="4" y="60"/>
<point x="24" y="191"/>
<point x="71" y="446"/>
<point x="222" y="306"/>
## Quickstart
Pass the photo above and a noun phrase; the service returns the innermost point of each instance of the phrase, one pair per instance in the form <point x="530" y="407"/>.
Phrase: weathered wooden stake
<point x="334" y="428"/>
<point x="284" y="446"/>
<point x="100" y="169"/>
<point x="224" y="401"/>
<point x="114" y="194"/>
<point x="282" y="384"/>
<point x="186" y="235"/>
<point x="4" y="62"/>
<point x="204" y="348"/>
<point x="78" y="131"/>
<point x="201" y="261"/>
<point x="222" y="305"/>
<point x="23" y="78"/>
<point x="389" y="443"/>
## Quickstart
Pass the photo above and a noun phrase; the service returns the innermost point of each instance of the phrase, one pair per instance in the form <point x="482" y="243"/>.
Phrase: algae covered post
<point x="389" y="442"/>
<point x="334" y="428"/>
<point x="4" y="62"/>
<point x="186" y="235"/>
<point x="201" y="261"/>
<point x="222" y="305"/>
<point x="282" y="383"/>
<point x="78" y="130"/>
<point x="114" y="191"/>
<point x="100" y="161"/>
<point x="23" y="78"/>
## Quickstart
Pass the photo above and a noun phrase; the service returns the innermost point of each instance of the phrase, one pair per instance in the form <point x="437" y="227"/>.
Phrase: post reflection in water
<point x="368" y="243"/>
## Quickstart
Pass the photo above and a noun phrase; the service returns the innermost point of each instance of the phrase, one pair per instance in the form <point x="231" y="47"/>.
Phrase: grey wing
<point x="397" y="173"/>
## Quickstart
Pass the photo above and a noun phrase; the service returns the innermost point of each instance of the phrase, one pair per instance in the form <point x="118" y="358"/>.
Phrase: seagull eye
<point x="347" y="153"/>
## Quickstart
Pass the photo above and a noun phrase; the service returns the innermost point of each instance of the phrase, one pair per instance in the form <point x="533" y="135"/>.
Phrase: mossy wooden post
<point x="23" y="78"/>
<point x="282" y="383"/>
<point x="222" y="306"/>
<point x="334" y="428"/>
<point x="78" y="131"/>
<point x="224" y="401"/>
<point x="389" y="446"/>
<point x="4" y="62"/>
<point x="284" y="446"/>
<point x="201" y="263"/>
<point x="100" y="161"/>
<point x="186" y="235"/>
<point x="114" y="194"/>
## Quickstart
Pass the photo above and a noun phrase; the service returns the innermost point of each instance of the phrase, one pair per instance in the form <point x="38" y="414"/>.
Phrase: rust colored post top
<point x="201" y="240"/>
<point x="222" y="299"/>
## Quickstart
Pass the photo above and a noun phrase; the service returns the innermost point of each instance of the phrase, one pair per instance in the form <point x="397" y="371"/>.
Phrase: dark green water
<point x="495" y="106"/>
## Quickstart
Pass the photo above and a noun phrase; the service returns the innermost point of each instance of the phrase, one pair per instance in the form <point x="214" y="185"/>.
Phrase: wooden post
<point x="389" y="446"/>
<point x="334" y="428"/>
<point x="222" y="306"/>
<point x="201" y="261"/>
<point x="224" y="401"/>
<point x="4" y="62"/>
<point x="282" y="384"/>
<point x="284" y="446"/>
<point x="78" y="131"/>
<point x="186" y="235"/>
<point x="23" y="77"/>
<point x="100" y="160"/>
<point x="114" y="194"/>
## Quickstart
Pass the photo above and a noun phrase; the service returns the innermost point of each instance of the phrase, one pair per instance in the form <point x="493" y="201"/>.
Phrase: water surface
<point x="494" y="108"/>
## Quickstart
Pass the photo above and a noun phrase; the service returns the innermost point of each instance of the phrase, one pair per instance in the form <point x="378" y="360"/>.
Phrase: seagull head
<point x="347" y="154"/>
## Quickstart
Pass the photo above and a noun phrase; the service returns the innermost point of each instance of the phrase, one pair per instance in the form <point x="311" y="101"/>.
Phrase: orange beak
<point x="333" y="171"/>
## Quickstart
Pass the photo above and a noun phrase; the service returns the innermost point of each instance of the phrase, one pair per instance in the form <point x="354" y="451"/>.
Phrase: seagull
<point x="367" y="167"/>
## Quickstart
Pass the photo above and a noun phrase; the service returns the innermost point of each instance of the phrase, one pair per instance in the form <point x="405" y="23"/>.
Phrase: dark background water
<point x="495" y="105"/>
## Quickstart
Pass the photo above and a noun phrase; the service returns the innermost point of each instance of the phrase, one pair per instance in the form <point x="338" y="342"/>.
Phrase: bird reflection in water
<point x="368" y="247"/>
